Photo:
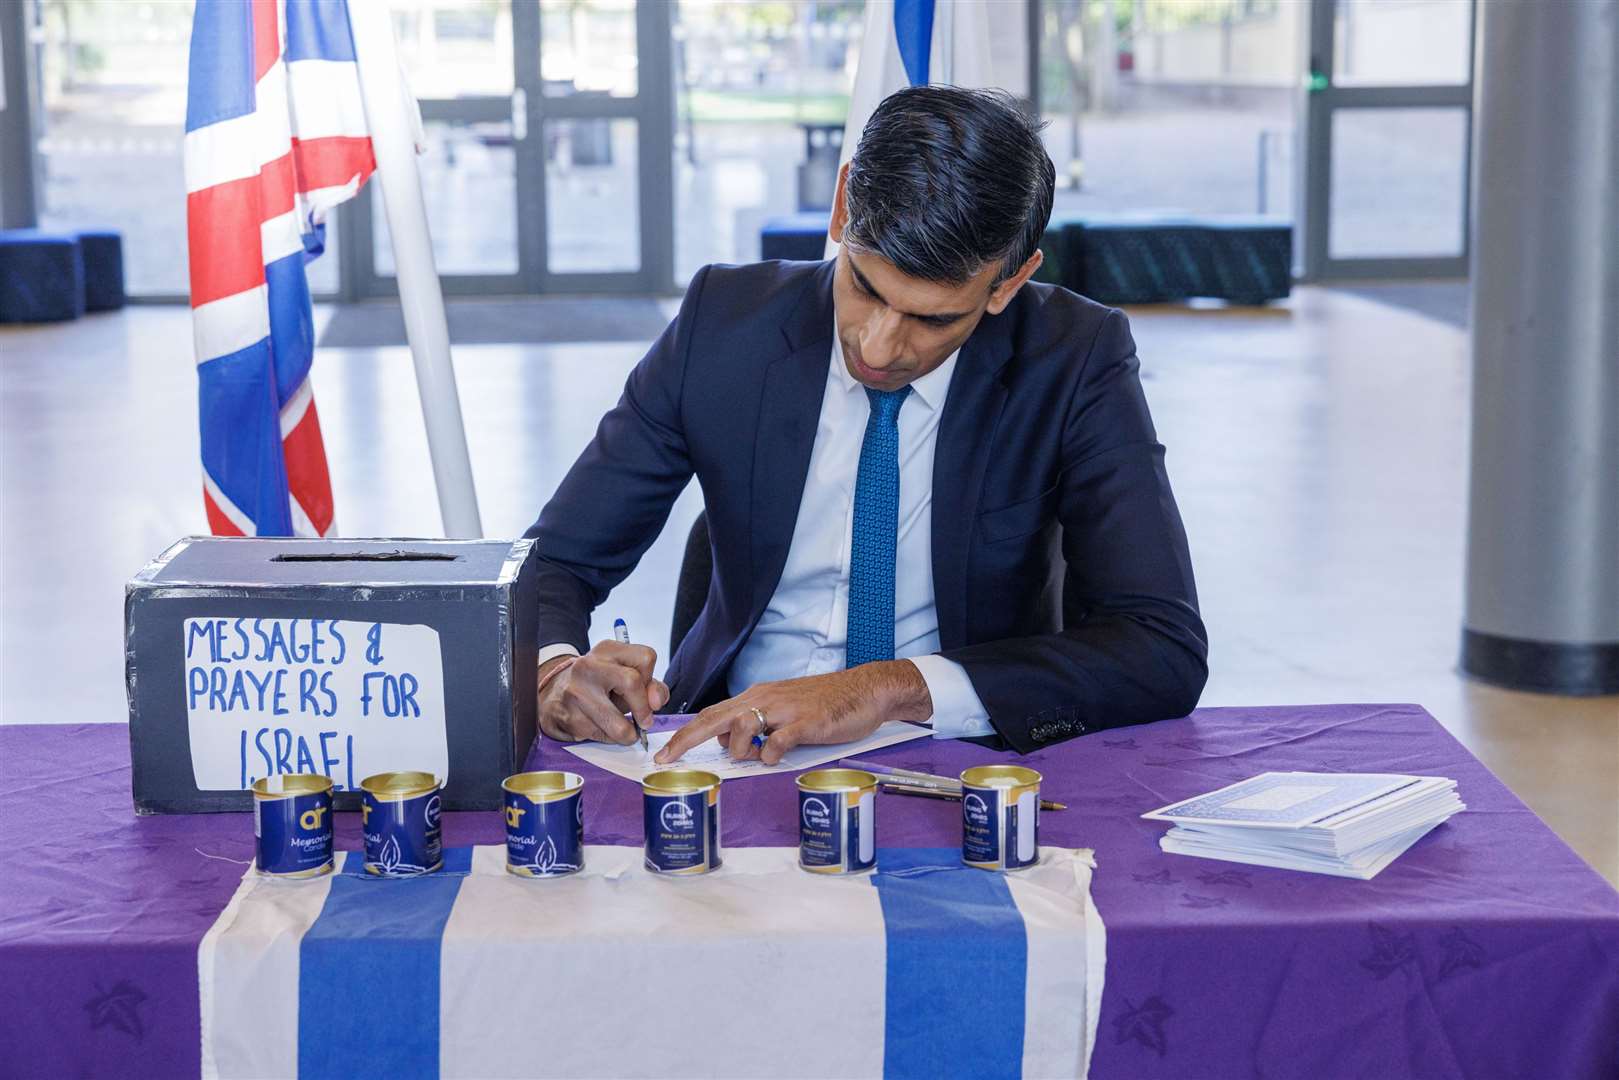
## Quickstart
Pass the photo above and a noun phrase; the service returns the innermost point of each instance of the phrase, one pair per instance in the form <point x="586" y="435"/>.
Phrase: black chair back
<point x="691" y="588"/>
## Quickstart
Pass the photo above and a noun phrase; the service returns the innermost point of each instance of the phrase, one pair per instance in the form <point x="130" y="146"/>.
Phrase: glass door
<point x="543" y="145"/>
<point x="459" y="61"/>
<point x="1390" y="118"/>
<point x="602" y="118"/>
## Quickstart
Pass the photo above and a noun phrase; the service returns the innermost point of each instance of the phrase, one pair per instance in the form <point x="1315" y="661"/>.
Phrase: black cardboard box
<point x="347" y="657"/>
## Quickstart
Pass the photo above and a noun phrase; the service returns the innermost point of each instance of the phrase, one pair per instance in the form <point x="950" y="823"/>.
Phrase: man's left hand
<point x="837" y="707"/>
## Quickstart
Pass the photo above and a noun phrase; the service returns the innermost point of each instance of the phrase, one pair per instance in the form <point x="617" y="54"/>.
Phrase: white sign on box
<point x="345" y="699"/>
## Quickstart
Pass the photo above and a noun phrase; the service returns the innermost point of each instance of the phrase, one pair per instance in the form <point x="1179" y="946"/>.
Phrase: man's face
<point x="895" y="329"/>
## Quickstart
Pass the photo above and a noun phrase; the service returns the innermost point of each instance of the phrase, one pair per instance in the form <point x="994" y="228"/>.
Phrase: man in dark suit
<point x="933" y="489"/>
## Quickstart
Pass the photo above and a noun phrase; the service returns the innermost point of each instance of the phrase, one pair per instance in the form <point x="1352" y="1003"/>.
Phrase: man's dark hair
<point x="947" y="180"/>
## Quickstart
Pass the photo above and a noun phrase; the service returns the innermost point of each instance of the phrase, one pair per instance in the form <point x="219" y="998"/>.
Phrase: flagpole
<point x="393" y="141"/>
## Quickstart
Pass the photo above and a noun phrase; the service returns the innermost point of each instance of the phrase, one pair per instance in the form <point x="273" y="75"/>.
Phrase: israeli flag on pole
<point x="915" y="43"/>
<point x="926" y="968"/>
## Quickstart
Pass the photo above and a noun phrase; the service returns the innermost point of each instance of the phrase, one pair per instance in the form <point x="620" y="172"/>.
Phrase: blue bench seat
<point x="41" y="276"/>
<point x="1124" y="258"/>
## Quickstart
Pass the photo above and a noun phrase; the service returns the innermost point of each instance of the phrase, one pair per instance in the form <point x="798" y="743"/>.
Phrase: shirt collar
<point x="931" y="389"/>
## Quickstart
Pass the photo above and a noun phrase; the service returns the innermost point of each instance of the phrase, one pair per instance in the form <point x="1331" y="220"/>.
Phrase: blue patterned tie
<point x="876" y="531"/>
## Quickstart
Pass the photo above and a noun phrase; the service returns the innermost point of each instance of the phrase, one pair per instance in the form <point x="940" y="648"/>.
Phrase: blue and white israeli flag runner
<point x="925" y="969"/>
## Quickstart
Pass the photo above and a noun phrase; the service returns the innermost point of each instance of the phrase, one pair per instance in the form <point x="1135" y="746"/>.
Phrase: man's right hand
<point x="589" y="700"/>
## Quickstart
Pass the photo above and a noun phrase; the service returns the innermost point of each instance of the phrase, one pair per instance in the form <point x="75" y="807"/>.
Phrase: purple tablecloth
<point x="1488" y="950"/>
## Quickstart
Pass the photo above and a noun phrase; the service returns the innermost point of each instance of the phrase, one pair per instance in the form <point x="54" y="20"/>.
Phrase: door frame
<point x="527" y="110"/>
<point x="1323" y="99"/>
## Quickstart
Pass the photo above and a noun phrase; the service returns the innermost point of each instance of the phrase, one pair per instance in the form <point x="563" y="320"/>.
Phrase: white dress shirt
<point x="804" y="628"/>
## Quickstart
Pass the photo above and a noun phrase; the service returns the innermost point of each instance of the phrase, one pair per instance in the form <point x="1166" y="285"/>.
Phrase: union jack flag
<point x="276" y="135"/>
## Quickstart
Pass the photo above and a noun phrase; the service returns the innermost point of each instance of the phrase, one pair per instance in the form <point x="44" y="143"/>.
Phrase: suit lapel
<point x="789" y="412"/>
<point x="972" y="411"/>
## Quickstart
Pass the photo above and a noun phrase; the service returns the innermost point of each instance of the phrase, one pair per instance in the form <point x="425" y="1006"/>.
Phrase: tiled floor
<point x="1317" y="450"/>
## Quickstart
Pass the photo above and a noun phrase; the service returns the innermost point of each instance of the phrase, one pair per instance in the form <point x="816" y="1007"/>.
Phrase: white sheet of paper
<point x="633" y="763"/>
<point x="1283" y="800"/>
<point x="343" y="698"/>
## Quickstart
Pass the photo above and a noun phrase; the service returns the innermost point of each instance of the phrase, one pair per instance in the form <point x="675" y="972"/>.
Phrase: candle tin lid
<point x="544" y="786"/>
<point x="1000" y="776"/>
<point x="279" y="787"/>
<point x="836" y="780"/>
<point x="678" y="782"/>
<point x="399" y="785"/>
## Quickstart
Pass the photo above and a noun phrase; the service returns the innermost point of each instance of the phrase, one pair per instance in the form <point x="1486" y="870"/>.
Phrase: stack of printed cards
<point x="1347" y="824"/>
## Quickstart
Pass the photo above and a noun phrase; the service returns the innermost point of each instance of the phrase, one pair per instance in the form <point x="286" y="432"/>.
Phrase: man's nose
<point x="883" y="343"/>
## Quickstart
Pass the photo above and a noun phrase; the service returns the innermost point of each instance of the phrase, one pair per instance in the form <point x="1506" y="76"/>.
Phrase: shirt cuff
<point x="551" y="652"/>
<point x="957" y="712"/>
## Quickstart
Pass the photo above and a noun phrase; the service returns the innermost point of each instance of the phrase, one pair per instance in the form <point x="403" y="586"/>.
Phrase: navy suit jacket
<point x="1060" y="570"/>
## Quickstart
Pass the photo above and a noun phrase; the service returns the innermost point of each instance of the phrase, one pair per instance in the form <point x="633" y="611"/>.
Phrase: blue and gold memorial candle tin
<point x="837" y="821"/>
<point x="545" y="819"/>
<point x="681" y="810"/>
<point x="1000" y="817"/>
<point x="292" y="825"/>
<point x="401" y="823"/>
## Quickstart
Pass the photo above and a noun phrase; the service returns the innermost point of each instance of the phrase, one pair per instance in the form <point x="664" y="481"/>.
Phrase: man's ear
<point x="1002" y="294"/>
<point x="840" y="212"/>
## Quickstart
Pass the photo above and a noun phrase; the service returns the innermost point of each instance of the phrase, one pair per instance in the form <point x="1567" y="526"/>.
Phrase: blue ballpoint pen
<point x="621" y="631"/>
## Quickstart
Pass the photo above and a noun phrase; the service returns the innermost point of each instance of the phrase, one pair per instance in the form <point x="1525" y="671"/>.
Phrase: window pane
<point x="1398" y="181"/>
<point x="469" y="185"/>
<point x="451" y="48"/>
<point x="1175" y="107"/>
<point x="762" y="96"/>
<point x="1401" y="42"/>
<point x="588" y="47"/>
<point x="113" y="83"/>
<point x="592" y="191"/>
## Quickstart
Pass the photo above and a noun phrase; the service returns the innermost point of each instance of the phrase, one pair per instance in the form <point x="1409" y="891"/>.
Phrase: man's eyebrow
<point x="938" y="320"/>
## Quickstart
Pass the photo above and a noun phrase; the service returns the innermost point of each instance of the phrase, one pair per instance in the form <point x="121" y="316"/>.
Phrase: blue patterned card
<point x="1283" y="799"/>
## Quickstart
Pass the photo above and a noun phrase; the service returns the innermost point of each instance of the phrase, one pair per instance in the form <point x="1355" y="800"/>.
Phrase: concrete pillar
<point x="19" y="174"/>
<point x="1543" y="529"/>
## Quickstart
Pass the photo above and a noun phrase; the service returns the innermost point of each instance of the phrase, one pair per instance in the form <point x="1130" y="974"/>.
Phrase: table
<point x="1488" y="950"/>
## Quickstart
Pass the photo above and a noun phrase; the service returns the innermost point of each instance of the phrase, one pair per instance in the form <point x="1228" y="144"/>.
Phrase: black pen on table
<point x="621" y="631"/>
